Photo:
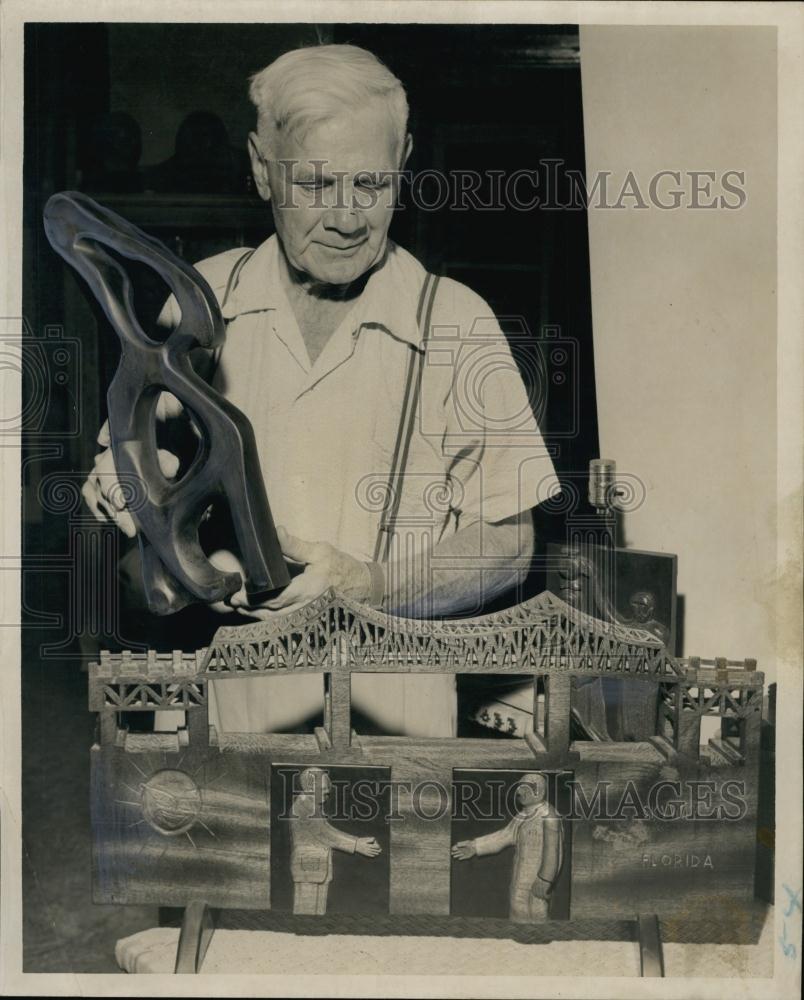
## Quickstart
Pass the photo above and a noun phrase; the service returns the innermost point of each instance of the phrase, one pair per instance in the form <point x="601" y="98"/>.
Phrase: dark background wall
<point x="152" y="121"/>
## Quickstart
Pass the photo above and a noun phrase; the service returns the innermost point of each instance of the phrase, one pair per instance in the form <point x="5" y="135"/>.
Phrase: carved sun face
<point x="171" y="802"/>
<point x="168" y="800"/>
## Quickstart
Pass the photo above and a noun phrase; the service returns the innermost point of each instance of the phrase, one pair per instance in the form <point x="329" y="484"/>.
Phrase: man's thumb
<point x="295" y="548"/>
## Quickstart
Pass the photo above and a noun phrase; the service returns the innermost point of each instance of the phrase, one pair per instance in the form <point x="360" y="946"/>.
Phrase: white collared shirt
<point x="326" y="431"/>
<point x="325" y="434"/>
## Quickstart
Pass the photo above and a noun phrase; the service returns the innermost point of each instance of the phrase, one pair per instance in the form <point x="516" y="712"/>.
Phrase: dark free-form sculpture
<point x="176" y="571"/>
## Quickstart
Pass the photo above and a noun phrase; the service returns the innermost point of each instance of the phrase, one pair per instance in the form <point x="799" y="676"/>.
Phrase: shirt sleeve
<point x="552" y="850"/>
<point x="494" y="452"/>
<point x="333" y="837"/>
<point x="493" y="843"/>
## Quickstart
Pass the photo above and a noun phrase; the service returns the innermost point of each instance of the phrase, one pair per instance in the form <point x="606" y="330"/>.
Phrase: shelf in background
<point x="183" y="211"/>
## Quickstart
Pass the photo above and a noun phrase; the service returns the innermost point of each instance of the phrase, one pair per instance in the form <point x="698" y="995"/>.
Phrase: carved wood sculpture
<point x="191" y="816"/>
<point x="313" y="840"/>
<point x="188" y="818"/>
<point x="536" y="835"/>
<point x="176" y="571"/>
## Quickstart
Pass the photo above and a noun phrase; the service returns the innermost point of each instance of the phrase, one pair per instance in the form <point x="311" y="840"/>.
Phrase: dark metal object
<point x="176" y="572"/>
<point x="197" y="928"/>
<point x="602" y="484"/>
<point x="651" y="955"/>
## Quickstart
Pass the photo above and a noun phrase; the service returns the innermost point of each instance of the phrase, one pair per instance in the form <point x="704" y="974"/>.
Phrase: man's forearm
<point x="461" y="572"/>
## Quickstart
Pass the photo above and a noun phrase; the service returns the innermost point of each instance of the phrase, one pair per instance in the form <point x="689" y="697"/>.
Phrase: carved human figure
<point x="313" y="839"/>
<point x="537" y="837"/>
<point x="643" y="615"/>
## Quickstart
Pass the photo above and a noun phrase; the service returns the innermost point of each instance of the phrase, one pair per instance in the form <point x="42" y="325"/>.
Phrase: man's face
<point x="332" y="193"/>
<point x="325" y="787"/>
<point x="642" y="607"/>
<point x="529" y="795"/>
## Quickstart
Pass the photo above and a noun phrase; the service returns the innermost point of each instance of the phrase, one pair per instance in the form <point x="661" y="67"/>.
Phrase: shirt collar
<point x="388" y="301"/>
<point x="257" y="282"/>
<point x="539" y="809"/>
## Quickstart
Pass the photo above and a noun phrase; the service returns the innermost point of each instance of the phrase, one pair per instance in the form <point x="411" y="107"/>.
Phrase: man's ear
<point x="259" y="167"/>
<point x="406" y="151"/>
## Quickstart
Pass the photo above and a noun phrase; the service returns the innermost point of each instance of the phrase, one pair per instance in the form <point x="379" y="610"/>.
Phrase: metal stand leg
<point x="650" y="945"/>
<point x="197" y="928"/>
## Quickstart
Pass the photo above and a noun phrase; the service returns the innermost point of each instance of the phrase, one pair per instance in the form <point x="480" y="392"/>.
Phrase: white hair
<point x="311" y="85"/>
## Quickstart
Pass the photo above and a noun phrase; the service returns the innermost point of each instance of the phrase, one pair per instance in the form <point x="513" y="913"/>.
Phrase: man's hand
<point x="102" y="491"/>
<point x="324" y="567"/>
<point x="368" y="847"/>
<point x="464" y="850"/>
<point x="226" y="562"/>
<point x="541" y="888"/>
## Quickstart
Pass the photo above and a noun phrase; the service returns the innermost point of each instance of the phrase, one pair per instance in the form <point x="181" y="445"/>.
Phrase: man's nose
<point x="345" y="215"/>
<point x="345" y="220"/>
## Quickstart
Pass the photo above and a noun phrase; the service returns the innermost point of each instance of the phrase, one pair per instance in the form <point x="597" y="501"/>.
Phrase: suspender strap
<point x="234" y="277"/>
<point x="231" y="284"/>
<point x="407" y="419"/>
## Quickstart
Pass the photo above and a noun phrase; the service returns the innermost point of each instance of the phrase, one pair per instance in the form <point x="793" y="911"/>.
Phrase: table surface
<point x="274" y="953"/>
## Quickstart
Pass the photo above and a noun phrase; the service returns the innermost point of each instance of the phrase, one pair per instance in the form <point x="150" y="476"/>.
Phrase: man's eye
<point x="373" y="183"/>
<point x="311" y="185"/>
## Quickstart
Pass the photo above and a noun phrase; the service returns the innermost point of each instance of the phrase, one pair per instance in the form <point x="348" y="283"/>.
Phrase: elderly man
<point x="361" y="377"/>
